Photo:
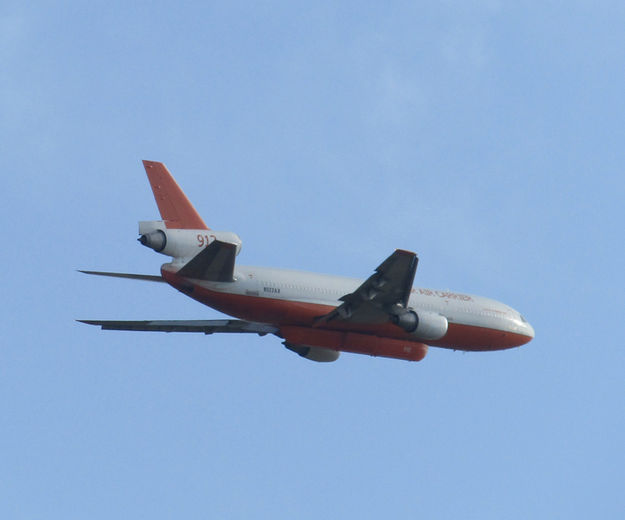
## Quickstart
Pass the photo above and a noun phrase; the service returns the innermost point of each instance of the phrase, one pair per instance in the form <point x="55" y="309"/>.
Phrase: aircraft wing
<point x="381" y="294"/>
<point x="204" y="326"/>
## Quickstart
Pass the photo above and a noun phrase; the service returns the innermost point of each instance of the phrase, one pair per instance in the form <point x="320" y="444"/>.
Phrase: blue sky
<point x="485" y="136"/>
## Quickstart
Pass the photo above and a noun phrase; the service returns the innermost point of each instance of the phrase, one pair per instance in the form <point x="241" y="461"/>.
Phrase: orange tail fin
<point x="176" y="210"/>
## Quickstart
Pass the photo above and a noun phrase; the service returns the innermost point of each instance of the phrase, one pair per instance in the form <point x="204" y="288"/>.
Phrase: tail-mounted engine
<point x="182" y="243"/>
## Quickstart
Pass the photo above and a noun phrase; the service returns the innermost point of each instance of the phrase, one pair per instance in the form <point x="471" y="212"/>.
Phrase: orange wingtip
<point x="176" y="210"/>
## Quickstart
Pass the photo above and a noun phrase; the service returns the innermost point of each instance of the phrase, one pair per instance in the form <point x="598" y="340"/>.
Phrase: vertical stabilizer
<point x="176" y="210"/>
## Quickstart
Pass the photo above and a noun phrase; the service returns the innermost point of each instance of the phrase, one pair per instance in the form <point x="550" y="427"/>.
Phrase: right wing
<point x="204" y="326"/>
<point x="382" y="295"/>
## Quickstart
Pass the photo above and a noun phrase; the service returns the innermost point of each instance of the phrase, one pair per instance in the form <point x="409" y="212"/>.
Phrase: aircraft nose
<point x="524" y="332"/>
<point x="528" y="331"/>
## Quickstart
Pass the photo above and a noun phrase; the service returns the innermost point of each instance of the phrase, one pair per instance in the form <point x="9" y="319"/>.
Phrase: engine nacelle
<point x="319" y="354"/>
<point x="424" y="325"/>
<point x="156" y="240"/>
<point x="182" y="243"/>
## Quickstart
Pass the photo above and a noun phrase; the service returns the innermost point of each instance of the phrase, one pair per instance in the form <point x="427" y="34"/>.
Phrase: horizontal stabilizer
<point x="144" y="277"/>
<point x="204" y="326"/>
<point x="215" y="263"/>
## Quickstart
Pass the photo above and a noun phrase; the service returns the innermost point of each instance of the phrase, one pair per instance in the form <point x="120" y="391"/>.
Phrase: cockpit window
<point x="522" y="318"/>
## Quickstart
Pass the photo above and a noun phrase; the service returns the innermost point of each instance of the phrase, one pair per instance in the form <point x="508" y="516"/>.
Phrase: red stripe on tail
<point x="176" y="210"/>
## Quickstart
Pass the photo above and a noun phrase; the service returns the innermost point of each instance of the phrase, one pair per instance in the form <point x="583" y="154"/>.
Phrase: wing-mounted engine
<point x="423" y="325"/>
<point x="182" y="244"/>
<point x="384" y="296"/>
<point x="319" y="354"/>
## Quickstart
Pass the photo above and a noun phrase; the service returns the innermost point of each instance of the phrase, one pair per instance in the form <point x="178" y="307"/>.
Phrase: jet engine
<point x="424" y="325"/>
<point x="182" y="243"/>
<point x="320" y="354"/>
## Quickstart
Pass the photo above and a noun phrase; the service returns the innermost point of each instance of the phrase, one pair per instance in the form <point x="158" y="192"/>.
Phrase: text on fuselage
<point x="447" y="295"/>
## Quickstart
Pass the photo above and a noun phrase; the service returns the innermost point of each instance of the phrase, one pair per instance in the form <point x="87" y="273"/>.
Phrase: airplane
<point x="317" y="316"/>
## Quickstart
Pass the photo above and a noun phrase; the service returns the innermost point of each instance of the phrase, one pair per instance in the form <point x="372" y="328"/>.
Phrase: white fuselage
<point x="317" y="316"/>
<point x="326" y="290"/>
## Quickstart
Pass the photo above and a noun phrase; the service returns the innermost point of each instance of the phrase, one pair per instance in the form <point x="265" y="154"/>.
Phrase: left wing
<point x="205" y="326"/>
<point x="383" y="295"/>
